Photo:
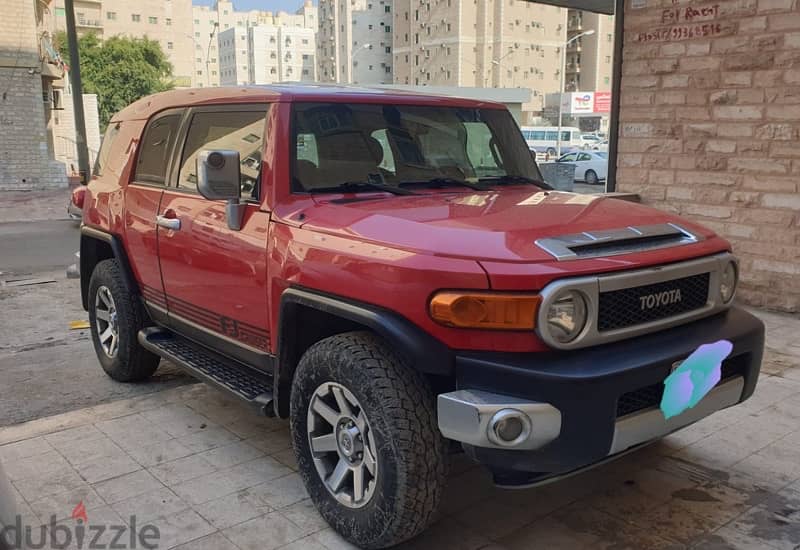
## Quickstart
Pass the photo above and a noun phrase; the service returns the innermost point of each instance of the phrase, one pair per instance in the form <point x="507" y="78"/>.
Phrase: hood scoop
<point x="592" y="244"/>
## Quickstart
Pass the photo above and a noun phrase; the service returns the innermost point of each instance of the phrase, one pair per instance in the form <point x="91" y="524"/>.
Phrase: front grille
<point x="625" y="308"/>
<point x="650" y="396"/>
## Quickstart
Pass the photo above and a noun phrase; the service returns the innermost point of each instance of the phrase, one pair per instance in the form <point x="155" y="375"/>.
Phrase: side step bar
<point x="226" y="374"/>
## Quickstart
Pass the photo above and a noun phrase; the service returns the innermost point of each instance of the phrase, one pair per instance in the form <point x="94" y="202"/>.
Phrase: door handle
<point x="168" y="223"/>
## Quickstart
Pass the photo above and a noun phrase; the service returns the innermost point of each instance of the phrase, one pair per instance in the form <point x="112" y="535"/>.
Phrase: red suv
<point x="387" y="271"/>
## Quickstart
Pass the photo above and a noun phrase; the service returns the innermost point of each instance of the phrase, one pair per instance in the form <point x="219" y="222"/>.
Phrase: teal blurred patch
<point x="694" y="378"/>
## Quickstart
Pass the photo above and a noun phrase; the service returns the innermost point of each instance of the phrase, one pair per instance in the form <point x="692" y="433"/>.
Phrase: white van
<point x="543" y="139"/>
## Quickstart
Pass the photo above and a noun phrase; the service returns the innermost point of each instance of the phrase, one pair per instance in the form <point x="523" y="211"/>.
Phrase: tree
<point x="119" y="70"/>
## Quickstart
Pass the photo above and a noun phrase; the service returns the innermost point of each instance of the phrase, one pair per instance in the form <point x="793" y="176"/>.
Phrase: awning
<point x="599" y="6"/>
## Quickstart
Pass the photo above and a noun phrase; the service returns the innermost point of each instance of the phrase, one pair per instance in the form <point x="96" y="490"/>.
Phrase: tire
<point x="409" y="468"/>
<point x="125" y="360"/>
<point x="551" y="151"/>
<point x="591" y="177"/>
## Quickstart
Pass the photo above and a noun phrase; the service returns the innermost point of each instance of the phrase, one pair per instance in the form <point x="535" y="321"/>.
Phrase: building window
<point x="168" y="21"/>
<point x="196" y="21"/>
<point x="305" y="40"/>
<point x="387" y="69"/>
<point x="305" y="57"/>
<point x="111" y="16"/>
<point x="152" y="20"/>
<point x="388" y="49"/>
<point x="606" y="80"/>
<point x="369" y="26"/>
<point x="197" y="35"/>
<point x="135" y="17"/>
<point x="610" y="37"/>
<point x="169" y="45"/>
<point x="608" y="59"/>
<point x="387" y="28"/>
<point x="214" y="73"/>
<point x="370" y="67"/>
<point x="387" y="9"/>
<point x="199" y="73"/>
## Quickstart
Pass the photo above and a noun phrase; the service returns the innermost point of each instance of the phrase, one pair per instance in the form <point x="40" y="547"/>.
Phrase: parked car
<point x="590" y="166"/>
<point x="75" y="204"/>
<point x="392" y="276"/>
<point x="8" y="513"/>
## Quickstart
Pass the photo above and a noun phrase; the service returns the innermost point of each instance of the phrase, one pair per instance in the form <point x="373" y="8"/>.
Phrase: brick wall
<point x="709" y="128"/>
<point x="26" y="157"/>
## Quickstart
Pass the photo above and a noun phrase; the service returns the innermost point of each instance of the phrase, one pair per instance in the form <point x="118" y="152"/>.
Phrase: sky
<point x="266" y="5"/>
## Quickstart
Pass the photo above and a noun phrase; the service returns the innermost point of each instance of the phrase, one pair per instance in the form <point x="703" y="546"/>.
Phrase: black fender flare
<point x="422" y="351"/>
<point x="88" y="260"/>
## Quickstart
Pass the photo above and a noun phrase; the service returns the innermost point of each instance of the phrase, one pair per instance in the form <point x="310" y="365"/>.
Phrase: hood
<point x="492" y="226"/>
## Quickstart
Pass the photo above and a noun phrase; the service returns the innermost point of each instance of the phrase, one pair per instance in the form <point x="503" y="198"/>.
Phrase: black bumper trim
<point x="586" y="384"/>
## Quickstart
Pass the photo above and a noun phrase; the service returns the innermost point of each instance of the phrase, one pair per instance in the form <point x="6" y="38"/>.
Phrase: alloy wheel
<point x="106" y="321"/>
<point x="342" y="445"/>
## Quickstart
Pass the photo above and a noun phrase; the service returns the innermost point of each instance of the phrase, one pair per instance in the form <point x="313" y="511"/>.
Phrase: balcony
<point x="575" y="47"/>
<point x="572" y="68"/>
<point x="89" y="23"/>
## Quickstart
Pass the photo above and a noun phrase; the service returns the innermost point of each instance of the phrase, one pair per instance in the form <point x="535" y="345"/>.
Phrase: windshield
<point x="602" y="154"/>
<point x="338" y="144"/>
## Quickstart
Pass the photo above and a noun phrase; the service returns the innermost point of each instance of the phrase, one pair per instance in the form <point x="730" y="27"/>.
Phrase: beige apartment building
<point x="590" y="59"/>
<point x="167" y="21"/>
<point x="480" y="43"/>
<point x="354" y="41"/>
<point x="210" y="22"/>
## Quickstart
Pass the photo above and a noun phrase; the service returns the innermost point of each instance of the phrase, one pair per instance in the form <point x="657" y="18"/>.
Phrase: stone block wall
<point x="709" y="128"/>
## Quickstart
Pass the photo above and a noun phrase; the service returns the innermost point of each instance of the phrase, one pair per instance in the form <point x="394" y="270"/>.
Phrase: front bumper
<point x="587" y="405"/>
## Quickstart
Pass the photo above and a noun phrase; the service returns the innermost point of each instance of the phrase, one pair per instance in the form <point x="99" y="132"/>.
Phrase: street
<point x="51" y="368"/>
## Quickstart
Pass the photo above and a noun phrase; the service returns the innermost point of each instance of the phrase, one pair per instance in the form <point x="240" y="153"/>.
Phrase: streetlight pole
<point x="497" y="63"/>
<point x="208" y="53"/>
<point x="77" y="93"/>
<point x="563" y="85"/>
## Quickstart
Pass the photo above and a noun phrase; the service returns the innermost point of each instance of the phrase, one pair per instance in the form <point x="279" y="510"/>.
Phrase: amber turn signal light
<point x="488" y="310"/>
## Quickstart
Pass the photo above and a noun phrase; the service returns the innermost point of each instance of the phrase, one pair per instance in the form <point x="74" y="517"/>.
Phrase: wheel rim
<point x="591" y="177"/>
<point x="342" y="445"/>
<point x="106" y="321"/>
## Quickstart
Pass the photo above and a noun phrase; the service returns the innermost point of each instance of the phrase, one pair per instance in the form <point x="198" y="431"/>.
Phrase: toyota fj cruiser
<point x="387" y="271"/>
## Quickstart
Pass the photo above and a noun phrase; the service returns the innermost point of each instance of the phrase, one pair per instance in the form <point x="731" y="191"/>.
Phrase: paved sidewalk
<point x="211" y="475"/>
<point x="29" y="206"/>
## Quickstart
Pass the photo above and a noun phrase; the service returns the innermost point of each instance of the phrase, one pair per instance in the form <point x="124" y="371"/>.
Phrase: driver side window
<point x="241" y="131"/>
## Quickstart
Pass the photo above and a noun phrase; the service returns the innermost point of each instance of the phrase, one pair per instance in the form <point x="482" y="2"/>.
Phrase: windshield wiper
<point x="444" y="182"/>
<point x="356" y="186"/>
<point x="515" y="179"/>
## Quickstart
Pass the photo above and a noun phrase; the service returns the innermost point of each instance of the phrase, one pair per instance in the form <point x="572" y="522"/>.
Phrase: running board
<point x="243" y="382"/>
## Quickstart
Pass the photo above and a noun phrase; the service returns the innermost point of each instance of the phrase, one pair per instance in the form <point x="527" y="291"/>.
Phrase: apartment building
<point x="590" y="59"/>
<point x="354" y="41"/>
<point x="167" y="21"/>
<point x="480" y="43"/>
<point x="29" y="72"/>
<point x="281" y="54"/>
<point x="210" y="23"/>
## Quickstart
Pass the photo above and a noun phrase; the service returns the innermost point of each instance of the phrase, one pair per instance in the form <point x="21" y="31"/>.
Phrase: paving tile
<point x="249" y="425"/>
<point x="287" y="458"/>
<point x="611" y="532"/>
<point x="35" y="466"/>
<point x="440" y="536"/>
<point x="103" y="527"/>
<point x="775" y="465"/>
<point x="181" y="528"/>
<point x="272" y="442"/>
<point x="498" y="517"/>
<point x="92" y="450"/>
<point x="215" y="541"/>
<point x="775" y="529"/>
<point x="61" y="505"/>
<point x="150" y="505"/>
<point x="231" y="455"/>
<point x="133" y="431"/>
<point x="177" y="420"/>
<point x="304" y="514"/>
<point x="159" y="453"/>
<point x="44" y="426"/>
<point x="308" y="543"/>
<point x="24" y="449"/>
<point x="107" y="467"/>
<point x="465" y="490"/>
<point x="208" y="438"/>
<point x="206" y="488"/>
<point x="674" y="521"/>
<point x="282" y="492"/>
<point x="232" y="509"/>
<point x="73" y="436"/>
<point x="548" y="533"/>
<point x="717" y="452"/>
<point x="52" y="483"/>
<point x="182" y="469"/>
<point x="728" y="538"/>
<point x="265" y="532"/>
<point x="127" y="486"/>
<point x="256" y="471"/>
<point x="331" y="540"/>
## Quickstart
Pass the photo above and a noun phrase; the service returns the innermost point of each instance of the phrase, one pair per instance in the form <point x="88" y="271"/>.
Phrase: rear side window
<point x="105" y="148"/>
<point x="241" y="131"/>
<point x="154" y="149"/>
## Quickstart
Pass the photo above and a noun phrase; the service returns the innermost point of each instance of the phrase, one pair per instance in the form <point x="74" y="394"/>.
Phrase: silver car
<point x="8" y="512"/>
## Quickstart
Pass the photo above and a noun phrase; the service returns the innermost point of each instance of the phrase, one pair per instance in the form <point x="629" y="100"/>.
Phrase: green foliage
<point x="119" y="70"/>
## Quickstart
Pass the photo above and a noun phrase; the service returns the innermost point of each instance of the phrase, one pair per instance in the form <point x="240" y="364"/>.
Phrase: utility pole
<point x="77" y="93"/>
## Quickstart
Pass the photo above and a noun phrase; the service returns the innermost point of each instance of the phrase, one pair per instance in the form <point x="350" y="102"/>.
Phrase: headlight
<point x="728" y="282"/>
<point x="485" y="310"/>
<point x="566" y="316"/>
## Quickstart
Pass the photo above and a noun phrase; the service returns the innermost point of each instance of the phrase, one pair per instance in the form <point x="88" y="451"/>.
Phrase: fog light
<point x="509" y="427"/>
